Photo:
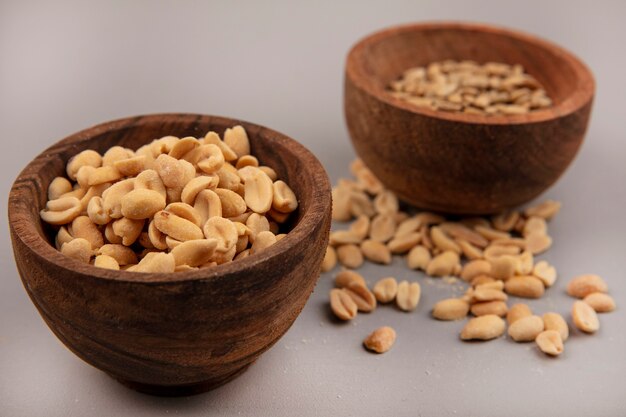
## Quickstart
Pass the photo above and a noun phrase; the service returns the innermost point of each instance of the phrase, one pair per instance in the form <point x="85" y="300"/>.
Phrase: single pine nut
<point x="418" y="258"/>
<point x="342" y="304"/>
<point x="346" y="277"/>
<point x="550" y="342"/>
<point x="362" y="297"/>
<point x="330" y="259"/>
<point x="526" y="329"/>
<point x="524" y="286"/>
<point x="485" y="327"/>
<point x="386" y="289"/>
<point x="498" y="308"/>
<point x="350" y="256"/>
<point x="380" y="340"/>
<point x="584" y="285"/>
<point x="554" y="321"/>
<point x="408" y="295"/>
<point x="376" y="251"/>
<point x="451" y="309"/>
<point x="79" y="249"/>
<point x="584" y="316"/>
<point x="600" y="302"/>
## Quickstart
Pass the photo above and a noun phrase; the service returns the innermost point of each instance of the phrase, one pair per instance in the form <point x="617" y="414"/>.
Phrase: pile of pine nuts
<point x="172" y="205"/>
<point x="494" y="255"/>
<point x="469" y="87"/>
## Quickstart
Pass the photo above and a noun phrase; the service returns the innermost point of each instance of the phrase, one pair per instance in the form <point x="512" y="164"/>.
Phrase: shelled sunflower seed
<point x="495" y="255"/>
<point x="470" y="87"/>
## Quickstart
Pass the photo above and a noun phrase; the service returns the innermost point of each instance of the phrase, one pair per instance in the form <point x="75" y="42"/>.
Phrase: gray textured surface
<point x="67" y="65"/>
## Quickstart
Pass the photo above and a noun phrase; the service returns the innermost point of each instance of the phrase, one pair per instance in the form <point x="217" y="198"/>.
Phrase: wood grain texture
<point x="181" y="333"/>
<point x="457" y="162"/>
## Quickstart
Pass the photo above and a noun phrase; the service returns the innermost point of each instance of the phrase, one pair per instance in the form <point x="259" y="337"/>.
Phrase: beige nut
<point x="112" y="196"/>
<point x="484" y="283"/>
<point x="128" y="229"/>
<point x="107" y="262"/>
<point x="258" y="191"/>
<point x="247" y="160"/>
<point x="443" y="264"/>
<point x="545" y="272"/>
<point x="330" y="259"/>
<point x="83" y="227"/>
<point x="556" y="322"/>
<point x="535" y="225"/>
<point x="408" y="295"/>
<point x="410" y="225"/>
<point x="485" y="327"/>
<point x="196" y="185"/>
<point x="284" y="199"/>
<point x="503" y="267"/>
<point x="450" y="309"/>
<point x="208" y="204"/>
<point x="386" y="289"/>
<point x="491" y="234"/>
<point x="404" y="243"/>
<point x="546" y="210"/>
<point x="223" y="231"/>
<point x="342" y="304"/>
<point x="526" y="264"/>
<point x="418" y="258"/>
<point x="360" y="227"/>
<point x="79" y="249"/>
<point x="498" y="308"/>
<point x="131" y="167"/>
<point x="61" y="211"/>
<point x="443" y="241"/>
<point x="63" y="236"/>
<point x="228" y="177"/>
<point x="459" y="231"/>
<point x="58" y="187"/>
<point x="343" y="237"/>
<point x="518" y="311"/>
<point x="141" y="204"/>
<point x="600" y="302"/>
<point x="341" y="205"/>
<point x="213" y="159"/>
<point x="382" y="228"/>
<point x="537" y="242"/>
<point x="362" y="296"/>
<point x="494" y="251"/>
<point x="380" y="340"/>
<point x="584" y="317"/>
<point x="96" y="212"/>
<point x="176" y="227"/>
<point x="87" y="157"/>
<point x="155" y="262"/>
<point x="194" y="252"/>
<point x="524" y="286"/>
<point x="116" y="153"/>
<point x="526" y="329"/>
<point x="470" y="251"/>
<point x="150" y="180"/>
<point x="213" y="138"/>
<point x="505" y="221"/>
<point x="386" y="202"/>
<point x="122" y="254"/>
<point x="256" y="224"/>
<point x="584" y="285"/>
<point x="157" y="239"/>
<point x="231" y="202"/>
<point x="350" y="256"/>
<point x="360" y="204"/>
<point x="475" y="268"/>
<point x="376" y="252"/>
<point x="550" y="342"/>
<point x="175" y="173"/>
<point x="183" y="147"/>
<point x="346" y="277"/>
<point x="482" y="293"/>
<point x="237" y="139"/>
<point x="263" y="240"/>
<point x="186" y="212"/>
<point x="102" y="175"/>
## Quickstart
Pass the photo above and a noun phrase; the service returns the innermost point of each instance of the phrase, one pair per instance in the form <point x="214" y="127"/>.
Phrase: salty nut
<point x="157" y="239"/>
<point x="176" y="227"/>
<point x="503" y="267"/>
<point x="284" y="199"/>
<point x="526" y="329"/>
<point x="112" y="196"/>
<point x="427" y="218"/>
<point x="350" y="256"/>
<point x="263" y="240"/>
<point x="386" y="289"/>
<point x="386" y="202"/>
<point x="518" y="311"/>
<point x="122" y="254"/>
<point x="194" y="252"/>
<point x="470" y="251"/>
<point x="148" y="180"/>
<point x="102" y="175"/>
<point x="494" y="251"/>
<point x="546" y="210"/>
<point x="362" y="297"/>
<point x="538" y="242"/>
<point x="545" y="272"/>
<point x="163" y="145"/>
<point x="208" y="204"/>
<point x="107" y="262"/>
<point x="79" y="249"/>
<point x="142" y="204"/>
<point x="382" y="228"/>
<point x="63" y="236"/>
<point x="488" y="294"/>
<point x="346" y="277"/>
<point x="462" y="232"/>
<point x="380" y="340"/>
<point x="223" y="231"/>
<point x="360" y="203"/>
<point x="404" y="243"/>
<point x="131" y="167"/>
<point x="82" y="176"/>
<point x="600" y="302"/>
<point x="341" y="205"/>
<point x="485" y="327"/>
<point x="443" y="241"/>
<point x="524" y="286"/>
<point x="156" y="262"/>
<point x="77" y="192"/>
<point x="61" y="211"/>
<point x="330" y="259"/>
<point x="259" y="191"/>
<point x="186" y="212"/>
<point x="212" y="159"/>
<point x="534" y="225"/>
<point x="87" y="157"/>
<point x="418" y="258"/>
<point x="550" y="342"/>
<point x="408" y="226"/>
<point x="175" y="173"/>
<point x="368" y="181"/>
<point x="554" y="321"/>
<point x="269" y="172"/>
<point x="183" y="147"/>
<point x="343" y="237"/>
<point x="482" y="279"/>
<point x="505" y="222"/>
<point x="256" y="224"/>
<point x="443" y="264"/>
<point x="196" y="185"/>
<point x="58" y="187"/>
<point x="237" y="139"/>
<point x="128" y="229"/>
<point x="277" y="216"/>
<point x="213" y="138"/>
<point x="475" y="268"/>
<point x="376" y="252"/>
<point x="498" y="308"/>
<point x="342" y="304"/>
<point x="92" y="192"/>
<point x="491" y="234"/>
<point x="584" y="316"/>
<point x="360" y="227"/>
<point x="408" y="295"/>
<point x="584" y="285"/>
<point x="525" y="266"/>
<point x="451" y="309"/>
<point x="510" y="241"/>
<point x="116" y="153"/>
<point x="493" y="284"/>
<point x="96" y="213"/>
<point x="228" y="177"/>
<point x="83" y="227"/>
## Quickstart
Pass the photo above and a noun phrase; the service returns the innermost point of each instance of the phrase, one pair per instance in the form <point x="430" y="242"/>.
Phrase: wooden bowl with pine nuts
<point x="183" y="332"/>
<point x="457" y="162"/>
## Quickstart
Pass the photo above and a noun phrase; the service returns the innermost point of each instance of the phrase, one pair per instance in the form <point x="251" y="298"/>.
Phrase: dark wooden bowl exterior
<point x="182" y="333"/>
<point x="457" y="162"/>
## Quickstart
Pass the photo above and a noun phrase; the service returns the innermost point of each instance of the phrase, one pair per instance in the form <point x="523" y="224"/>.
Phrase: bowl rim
<point x="39" y="246"/>
<point x="579" y="97"/>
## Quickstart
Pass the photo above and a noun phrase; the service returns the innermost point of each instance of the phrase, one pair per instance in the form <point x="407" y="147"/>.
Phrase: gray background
<point x="67" y="65"/>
